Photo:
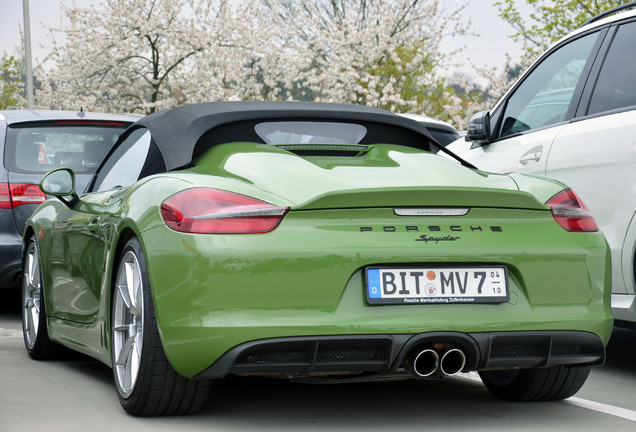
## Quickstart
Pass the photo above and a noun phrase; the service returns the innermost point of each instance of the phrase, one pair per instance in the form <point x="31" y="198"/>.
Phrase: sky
<point x="489" y="48"/>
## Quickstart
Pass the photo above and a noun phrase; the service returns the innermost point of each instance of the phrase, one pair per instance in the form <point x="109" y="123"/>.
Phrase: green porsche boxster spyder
<point x="311" y="241"/>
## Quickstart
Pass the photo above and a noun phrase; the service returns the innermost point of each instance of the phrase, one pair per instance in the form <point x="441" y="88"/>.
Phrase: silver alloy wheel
<point x="31" y="290"/>
<point x="128" y="323"/>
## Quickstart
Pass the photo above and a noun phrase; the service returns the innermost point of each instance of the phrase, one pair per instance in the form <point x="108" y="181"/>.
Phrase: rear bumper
<point x="10" y="260"/>
<point x="387" y="354"/>
<point x="213" y="294"/>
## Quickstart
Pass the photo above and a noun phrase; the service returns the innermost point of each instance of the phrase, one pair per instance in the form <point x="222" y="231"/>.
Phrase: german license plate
<point x="412" y="285"/>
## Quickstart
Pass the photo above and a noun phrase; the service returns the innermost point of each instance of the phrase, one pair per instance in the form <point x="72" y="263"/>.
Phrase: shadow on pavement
<point x="10" y="302"/>
<point x="621" y="350"/>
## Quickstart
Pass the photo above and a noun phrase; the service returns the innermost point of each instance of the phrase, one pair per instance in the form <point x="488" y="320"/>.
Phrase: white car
<point x="572" y="116"/>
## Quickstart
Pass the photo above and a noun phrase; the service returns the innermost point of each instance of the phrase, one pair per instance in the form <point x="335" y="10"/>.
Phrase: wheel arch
<point x="37" y="336"/>
<point x="628" y="257"/>
<point x="624" y="300"/>
<point x="127" y="233"/>
<point x="29" y="233"/>
<point x="124" y="236"/>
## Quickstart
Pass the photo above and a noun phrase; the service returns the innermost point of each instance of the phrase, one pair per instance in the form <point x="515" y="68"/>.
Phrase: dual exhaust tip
<point x="426" y="362"/>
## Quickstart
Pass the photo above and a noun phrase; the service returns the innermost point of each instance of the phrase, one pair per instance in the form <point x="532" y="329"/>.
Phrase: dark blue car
<point x="33" y="143"/>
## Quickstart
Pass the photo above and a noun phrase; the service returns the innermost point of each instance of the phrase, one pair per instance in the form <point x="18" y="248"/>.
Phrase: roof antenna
<point x="81" y="112"/>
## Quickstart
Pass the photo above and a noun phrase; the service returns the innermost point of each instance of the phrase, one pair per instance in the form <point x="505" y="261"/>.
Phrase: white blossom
<point x="146" y="55"/>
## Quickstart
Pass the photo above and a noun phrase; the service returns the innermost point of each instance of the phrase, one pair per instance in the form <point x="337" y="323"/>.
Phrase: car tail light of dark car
<point x="13" y="195"/>
<point x="569" y="211"/>
<point x="214" y="211"/>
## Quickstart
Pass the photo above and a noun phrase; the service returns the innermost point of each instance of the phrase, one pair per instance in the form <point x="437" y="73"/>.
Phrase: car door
<point x="526" y="122"/>
<point x="77" y="252"/>
<point x="596" y="154"/>
<point x="82" y="236"/>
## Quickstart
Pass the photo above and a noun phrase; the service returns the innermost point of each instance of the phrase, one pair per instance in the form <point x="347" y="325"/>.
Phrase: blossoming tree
<point x="145" y="55"/>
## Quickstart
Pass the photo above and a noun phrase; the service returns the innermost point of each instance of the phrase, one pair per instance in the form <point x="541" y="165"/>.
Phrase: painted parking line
<point x="602" y="408"/>
<point x="624" y="413"/>
<point x="9" y="333"/>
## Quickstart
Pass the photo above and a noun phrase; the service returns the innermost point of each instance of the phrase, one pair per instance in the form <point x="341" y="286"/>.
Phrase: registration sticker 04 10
<point x="412" y="285"/>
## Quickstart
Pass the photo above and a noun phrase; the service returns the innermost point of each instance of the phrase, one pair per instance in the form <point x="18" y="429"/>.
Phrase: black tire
<point x="541" y="384"/>
<point x="34" y="327"/>
<point x="146" y="383"/>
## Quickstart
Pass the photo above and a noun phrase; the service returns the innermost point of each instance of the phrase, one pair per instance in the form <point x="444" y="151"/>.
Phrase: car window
<point x="300" y="132"/>
<point x="543" y="98"/>
<point x="616" y="86"/>
<point x="41" y="147"/>
<point x="136" y="157"/>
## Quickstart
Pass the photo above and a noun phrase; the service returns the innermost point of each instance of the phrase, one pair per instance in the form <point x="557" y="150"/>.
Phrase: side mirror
<point x="479" y="128"/>
<point x="61" y="184"/>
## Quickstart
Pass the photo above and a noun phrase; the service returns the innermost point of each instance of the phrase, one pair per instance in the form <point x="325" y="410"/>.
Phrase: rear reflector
<point x="5" y="198"/>
<point x="569" y="211"/>
<point x="13" y="195"/>
<point x="214" y="211"/>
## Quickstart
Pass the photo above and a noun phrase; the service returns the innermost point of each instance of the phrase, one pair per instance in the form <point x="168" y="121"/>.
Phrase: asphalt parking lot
<point x="76" y="393"/>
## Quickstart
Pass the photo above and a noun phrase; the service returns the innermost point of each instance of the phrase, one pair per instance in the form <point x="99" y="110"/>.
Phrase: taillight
<point x="13" y="195"/>
<point x="569" y="211"/>
<point x="214" y="211"/>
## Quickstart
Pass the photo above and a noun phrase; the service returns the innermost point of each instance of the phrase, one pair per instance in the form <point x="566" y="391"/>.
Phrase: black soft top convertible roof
<point x="177" y="131"/>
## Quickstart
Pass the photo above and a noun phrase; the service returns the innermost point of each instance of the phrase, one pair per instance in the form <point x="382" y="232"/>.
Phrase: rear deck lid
<point x="381" y="175"/>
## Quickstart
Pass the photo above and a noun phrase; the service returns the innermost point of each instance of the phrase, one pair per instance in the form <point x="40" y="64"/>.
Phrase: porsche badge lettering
<point x="430" y="228"/>
<point x="427" y="238"/>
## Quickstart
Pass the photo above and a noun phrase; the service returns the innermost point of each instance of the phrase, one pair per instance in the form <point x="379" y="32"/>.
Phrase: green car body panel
<point x="213" y="292"/>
